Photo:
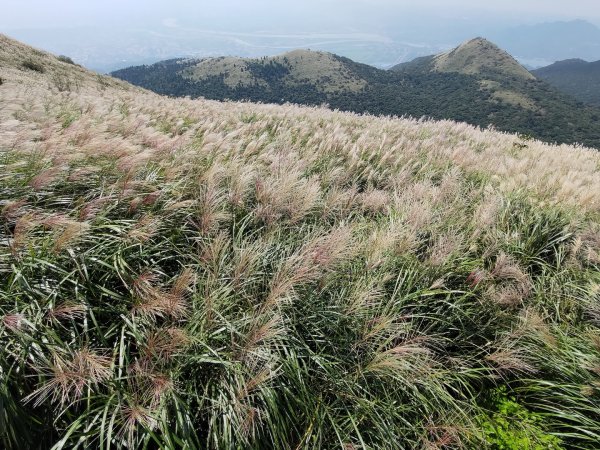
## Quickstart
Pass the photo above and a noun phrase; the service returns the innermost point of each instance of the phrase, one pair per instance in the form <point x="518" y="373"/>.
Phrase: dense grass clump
<point x="191" y="274"/>
<point x="65" y="59"/>
<point x="31" y="64"/>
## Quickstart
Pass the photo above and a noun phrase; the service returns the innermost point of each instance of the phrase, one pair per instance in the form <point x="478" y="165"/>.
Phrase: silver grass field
<point x="191" y="274"/>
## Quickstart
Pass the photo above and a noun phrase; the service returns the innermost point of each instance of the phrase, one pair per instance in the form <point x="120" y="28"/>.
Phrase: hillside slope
<point x="323" y="70"/>
<point x="476" y="83"/>
<point x="180" y="273"/>
<point x="480" y="57"/>
<point x="497" y="73"/>
<point x="576" y="77"/>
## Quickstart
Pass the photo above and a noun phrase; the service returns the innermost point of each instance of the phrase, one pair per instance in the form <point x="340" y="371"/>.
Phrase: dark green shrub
<point x="33" y="65"/>
<point x="66" y="59"/>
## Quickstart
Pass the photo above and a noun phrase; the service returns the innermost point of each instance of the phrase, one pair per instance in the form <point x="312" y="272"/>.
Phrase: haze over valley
<point x="380" y="33"/>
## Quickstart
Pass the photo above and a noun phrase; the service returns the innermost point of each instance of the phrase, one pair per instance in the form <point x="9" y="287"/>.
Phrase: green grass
<point x="174" y="327"/>
<point x="512" y="427"/>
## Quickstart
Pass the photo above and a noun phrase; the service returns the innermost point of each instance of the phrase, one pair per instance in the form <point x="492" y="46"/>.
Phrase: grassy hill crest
<point x="479" y="56"/>
<point x="321" y="69"/>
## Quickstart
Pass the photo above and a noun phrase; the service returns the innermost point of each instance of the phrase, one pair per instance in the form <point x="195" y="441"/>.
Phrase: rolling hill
<point x="179" y="273"/>
<point x="477" y="83"/>
<point x="576" y="77"/>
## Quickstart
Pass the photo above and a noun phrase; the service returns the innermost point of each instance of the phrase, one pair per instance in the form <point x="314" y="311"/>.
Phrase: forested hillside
<point x="576" y="77"/>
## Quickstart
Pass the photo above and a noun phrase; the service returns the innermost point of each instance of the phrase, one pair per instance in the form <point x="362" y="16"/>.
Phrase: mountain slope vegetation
<point x="478" y="57"/>
<point x="179" y="273"/>
<point x="576" y="77"/>
<point x="476" y="83"/>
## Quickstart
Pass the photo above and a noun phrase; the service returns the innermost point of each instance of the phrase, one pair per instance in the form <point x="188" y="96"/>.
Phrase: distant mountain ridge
<point x="477" y="83"/>
<point x="544" y="43"/>
<point x="322" y="69"/>
<point x="383" y="43"/>
<point x="577" y="77"/>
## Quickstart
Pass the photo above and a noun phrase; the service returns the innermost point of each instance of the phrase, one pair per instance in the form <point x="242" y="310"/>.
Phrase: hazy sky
<point x="377" y="32"/>
<point x="60" y="13"/>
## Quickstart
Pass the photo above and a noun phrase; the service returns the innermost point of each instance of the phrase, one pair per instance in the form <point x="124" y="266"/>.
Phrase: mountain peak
<point x="480" y="41"/>
<point x="478" y="56"/>
<point x="304" y="52"/>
